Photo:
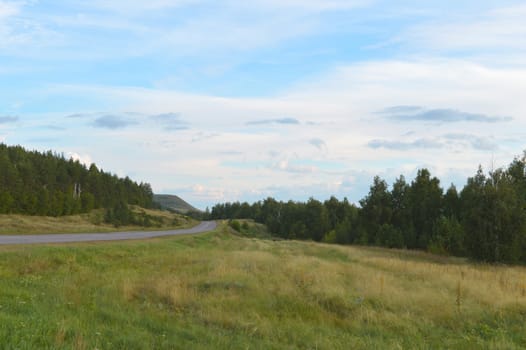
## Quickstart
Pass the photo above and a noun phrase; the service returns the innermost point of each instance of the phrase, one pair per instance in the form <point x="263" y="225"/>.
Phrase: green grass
<point x="91" y="222"/>
<point x="225" y="290"/>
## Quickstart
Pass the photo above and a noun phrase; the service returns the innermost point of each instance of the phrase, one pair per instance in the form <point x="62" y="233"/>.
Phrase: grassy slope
<point x="92" y="222"/>
<point x="219" y="290"/>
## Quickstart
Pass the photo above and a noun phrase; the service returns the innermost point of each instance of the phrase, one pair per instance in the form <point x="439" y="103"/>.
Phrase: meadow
<point x="229" y="290"/>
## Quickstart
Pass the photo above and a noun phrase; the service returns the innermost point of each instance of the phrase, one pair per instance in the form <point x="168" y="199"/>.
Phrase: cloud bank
<point x="284" y="121"/>
<point x="112" y="122"/>
<point x="417" y="113"/>
<point x="218" y="101"/>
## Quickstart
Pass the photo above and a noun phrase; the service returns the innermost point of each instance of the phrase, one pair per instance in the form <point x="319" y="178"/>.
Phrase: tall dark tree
<point x="271" y="213"/>
<point x="426" y="207"/>
<point x="452" y="203"/>
<point x="401" y="218"/>
<point x="376" y="210"/>
<point x="493" y="217"/>
<point x="317" y="219"/>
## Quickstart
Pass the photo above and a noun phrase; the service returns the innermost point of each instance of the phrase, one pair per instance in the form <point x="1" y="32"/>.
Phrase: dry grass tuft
<point x="60" y="336"/>
<point x="168" y="291"/>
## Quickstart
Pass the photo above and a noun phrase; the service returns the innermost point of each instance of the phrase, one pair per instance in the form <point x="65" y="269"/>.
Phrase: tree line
<point x="485" y="221"/>
<point x="35" y="183"/>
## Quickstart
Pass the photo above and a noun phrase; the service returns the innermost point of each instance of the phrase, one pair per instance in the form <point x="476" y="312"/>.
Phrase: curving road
<point x="204" y="226"/>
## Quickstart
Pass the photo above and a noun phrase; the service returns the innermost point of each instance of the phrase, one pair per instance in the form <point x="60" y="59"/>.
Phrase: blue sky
<point x="240" y="100"/>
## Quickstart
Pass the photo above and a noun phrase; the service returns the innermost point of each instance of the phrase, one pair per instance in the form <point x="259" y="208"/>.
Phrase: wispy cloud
<point x="203" y="136"/>
<point x="318" y="143"/>
<point x="482" y="143"/>
<point x="459" y="141"/>
<point x="170" y="121"/>
<point x="416" y="113"/>
<point x="395" y="110"/>
<point x="230" y="153"/>
<point x="286" y="121"/>
<point x="229" y="26"/>
<point x="405" y="145"/>
<point x="139" y="7"/>
<point x="53" y="127"/>
<point x="8" y="9"/>
<point x="501" y="28"/>
<point x="80" y="115"/>
<point x="292" y="167"/>
<point x="112" y="122"/>
<point x="8" y="119"/>
<point x="21" y="33"/>
<point x="311" y="5"/>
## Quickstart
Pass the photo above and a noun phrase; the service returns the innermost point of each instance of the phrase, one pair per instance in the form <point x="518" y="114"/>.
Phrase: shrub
<point x="235" y="225"/>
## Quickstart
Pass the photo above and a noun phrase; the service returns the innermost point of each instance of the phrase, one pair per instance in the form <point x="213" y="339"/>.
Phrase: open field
<point x="223" y="290"/>
<point x="92" y="222"/>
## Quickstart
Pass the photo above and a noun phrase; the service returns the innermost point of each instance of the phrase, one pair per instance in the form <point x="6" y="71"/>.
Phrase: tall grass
<point x="223" y="290"/>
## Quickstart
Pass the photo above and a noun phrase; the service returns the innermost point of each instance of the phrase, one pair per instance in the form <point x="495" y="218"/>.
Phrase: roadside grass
<point x="249" y="228"/>
<point x="223" y="290"/>
<point x="91" y="222"/>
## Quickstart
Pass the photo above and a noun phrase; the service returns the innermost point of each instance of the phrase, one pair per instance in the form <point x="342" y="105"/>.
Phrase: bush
<point x="235" y="225"/>
<point x="448" y="237"/>
<point x="330" y="237"/>
<point x="389" y="236"/>
<point x="119" y="215"/>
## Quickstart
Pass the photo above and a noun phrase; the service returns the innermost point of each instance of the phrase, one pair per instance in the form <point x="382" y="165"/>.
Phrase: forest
<point x="35" y="183"/>
<point x="485" y="221"/>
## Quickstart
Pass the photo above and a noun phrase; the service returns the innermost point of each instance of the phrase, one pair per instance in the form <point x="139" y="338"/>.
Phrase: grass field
<point x="222" y="290"/>
<point x="92" y="222"/>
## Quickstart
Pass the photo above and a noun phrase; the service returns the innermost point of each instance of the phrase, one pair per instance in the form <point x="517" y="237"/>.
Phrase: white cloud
<point x="216" y="151"/>
<point x="309" y="5"/>
<point x="226" y="32"/>
<point x="139" y="7"/>
<point x="24" y="34"/>
<point x="474" y="34"/>
<point x="289" y="166"/>
<point x="342" y="107"/>
<point x="82" y="158"/>
<point x="8" y="9"/>
<point x="211" y="28"/>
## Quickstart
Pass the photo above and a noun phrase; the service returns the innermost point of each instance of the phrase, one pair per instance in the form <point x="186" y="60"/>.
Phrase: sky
<point x="240" y="100"/>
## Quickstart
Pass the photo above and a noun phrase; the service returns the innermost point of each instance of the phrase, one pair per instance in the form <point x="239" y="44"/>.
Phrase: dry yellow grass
<point x="92" y="222"/>
<point x="221" y="290"/>
<point x="348" y="287"/>
<point x="487" y="286"/>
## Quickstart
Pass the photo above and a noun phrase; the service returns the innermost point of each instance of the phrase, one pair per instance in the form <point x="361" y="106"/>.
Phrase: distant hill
<point x="169" y="201"/>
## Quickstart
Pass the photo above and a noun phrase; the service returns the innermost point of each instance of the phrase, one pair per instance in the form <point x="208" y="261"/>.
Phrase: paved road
<point x="112" y="236"/>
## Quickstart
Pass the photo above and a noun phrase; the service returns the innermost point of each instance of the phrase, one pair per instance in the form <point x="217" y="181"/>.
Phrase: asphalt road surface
<point x="111" y="236"/>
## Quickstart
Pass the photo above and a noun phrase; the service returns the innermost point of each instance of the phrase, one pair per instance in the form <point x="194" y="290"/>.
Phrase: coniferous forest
<point x="485" y="221"/>
<point x="35" y="183"/>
